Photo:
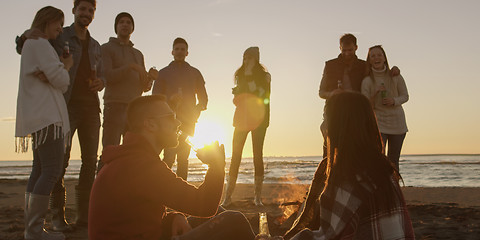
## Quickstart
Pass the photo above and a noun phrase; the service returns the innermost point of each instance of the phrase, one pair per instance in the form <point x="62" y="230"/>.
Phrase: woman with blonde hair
<point x="42" y="117"/>
<point x="387" y="93"/>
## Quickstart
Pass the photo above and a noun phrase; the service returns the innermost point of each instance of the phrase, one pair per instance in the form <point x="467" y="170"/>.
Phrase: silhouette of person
<point x="252" y="115"/>
<point x="185" y="88"/>
<point x="126" y="79"/>
<point x="361" y="197"/>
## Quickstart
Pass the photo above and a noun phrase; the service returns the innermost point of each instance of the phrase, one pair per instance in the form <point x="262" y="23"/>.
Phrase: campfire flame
<point x="289" y="197"/>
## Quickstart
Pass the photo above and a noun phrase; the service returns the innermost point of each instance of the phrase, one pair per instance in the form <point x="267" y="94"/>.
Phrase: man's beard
<point x="81" y="21"/>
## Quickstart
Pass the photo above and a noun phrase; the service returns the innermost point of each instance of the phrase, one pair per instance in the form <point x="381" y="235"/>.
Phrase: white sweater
<point x="390" y="119"/>
<point x="40" y="104"/>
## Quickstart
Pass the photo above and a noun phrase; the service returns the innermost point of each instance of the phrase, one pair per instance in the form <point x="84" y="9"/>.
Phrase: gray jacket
<point x="123" y="83"/>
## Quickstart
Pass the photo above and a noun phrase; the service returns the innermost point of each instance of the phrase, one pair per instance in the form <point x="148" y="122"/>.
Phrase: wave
<point x="445" y="163"/>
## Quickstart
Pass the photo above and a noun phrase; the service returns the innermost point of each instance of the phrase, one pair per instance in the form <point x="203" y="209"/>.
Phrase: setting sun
<point x="207" y="131"/>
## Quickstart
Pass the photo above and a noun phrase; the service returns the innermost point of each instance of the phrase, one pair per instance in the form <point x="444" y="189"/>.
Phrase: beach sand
<point x="437" y="213"/>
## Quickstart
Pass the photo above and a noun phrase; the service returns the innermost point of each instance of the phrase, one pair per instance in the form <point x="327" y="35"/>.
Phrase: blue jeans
<point x="47" y="163"/>
<point x="395" y="142"/>
<point x="85" y="120"/>
<point x="230" y="225"/>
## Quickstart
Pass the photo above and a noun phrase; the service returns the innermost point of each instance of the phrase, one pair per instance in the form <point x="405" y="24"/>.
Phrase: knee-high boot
<point x="231" y="182"/>
<point x="82" y="197"/>
<point x="258" y="190"/>
<point x="37" y="208"/>
<point x="57" y="208"/>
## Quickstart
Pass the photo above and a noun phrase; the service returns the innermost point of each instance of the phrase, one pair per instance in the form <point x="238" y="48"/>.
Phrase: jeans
<point x="114" y="123"/>
<point x="47" y="163"/>
<point x="395" y="142"/>
<point x="239" y="138"/>
<point x="181" y="152"/>
<point x="230" y="225"/>
<point x="85" y="119"/>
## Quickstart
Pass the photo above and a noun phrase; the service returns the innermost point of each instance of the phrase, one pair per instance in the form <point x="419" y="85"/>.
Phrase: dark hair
<point x="140" y="109"/>
<point x="258" y="68"/>
<point x="77" y="2"/>
<point x="369" y="66"/>
<point x="120" y="16"/>
<point x="348" y="38"/>
<point x="355" y="147"/>
<point x="46" y="15"/>
<point x="179" y="40"/>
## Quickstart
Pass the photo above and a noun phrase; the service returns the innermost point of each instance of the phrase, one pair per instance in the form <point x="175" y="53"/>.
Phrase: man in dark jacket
<point x="184" y="87"/>
<point x="345" y="72"/>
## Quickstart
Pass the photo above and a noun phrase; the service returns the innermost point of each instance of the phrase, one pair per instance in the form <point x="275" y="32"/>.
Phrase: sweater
<point x="123" y="84"/>
<point x="131" y="192"/>
<point x="252" y="101"/>
<point x="40" y="104"/>
<point x="390" y="119"/>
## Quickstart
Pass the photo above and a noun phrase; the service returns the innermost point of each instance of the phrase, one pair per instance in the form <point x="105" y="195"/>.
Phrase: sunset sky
<point x="436" y="45"/>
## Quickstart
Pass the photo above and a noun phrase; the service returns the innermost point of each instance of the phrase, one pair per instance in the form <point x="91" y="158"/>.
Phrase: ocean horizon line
<point x="307" y="156"/>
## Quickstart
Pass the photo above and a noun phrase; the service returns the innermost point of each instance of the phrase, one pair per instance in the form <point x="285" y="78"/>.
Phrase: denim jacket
<point x="94" y="52"/>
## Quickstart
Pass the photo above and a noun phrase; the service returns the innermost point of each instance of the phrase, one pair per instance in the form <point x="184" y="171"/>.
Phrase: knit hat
<point x="253" y="52"/>
<point x="120" y="16"/>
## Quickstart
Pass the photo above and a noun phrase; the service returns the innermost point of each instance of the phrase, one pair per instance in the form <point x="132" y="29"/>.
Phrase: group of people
<point x="63" y="69"/>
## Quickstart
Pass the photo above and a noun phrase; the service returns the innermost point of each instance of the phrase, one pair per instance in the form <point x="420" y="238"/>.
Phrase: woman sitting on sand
<point x="42" y="116"/>
<point x="252" y="114"/>
<point x="362" y="198"/>
<point x="387" y="94"/>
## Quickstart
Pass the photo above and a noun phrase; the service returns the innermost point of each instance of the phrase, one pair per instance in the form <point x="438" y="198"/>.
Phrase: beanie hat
<point x="120" y="16"/>
<point x="253" y="52"/>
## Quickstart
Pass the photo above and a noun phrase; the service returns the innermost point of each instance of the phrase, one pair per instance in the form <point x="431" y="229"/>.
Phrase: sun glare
<point x="207" y="132"/>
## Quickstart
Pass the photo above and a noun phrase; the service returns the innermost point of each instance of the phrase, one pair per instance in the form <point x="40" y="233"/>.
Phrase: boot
<point x="258" y="190"/>
<point x="34" y="226"/>
<point x="82" y="197"/>
<point x="57" y="208"/>
<point x="231" y="182"/>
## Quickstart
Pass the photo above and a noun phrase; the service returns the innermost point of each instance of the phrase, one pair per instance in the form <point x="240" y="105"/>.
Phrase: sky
<point x="434" y="43"/>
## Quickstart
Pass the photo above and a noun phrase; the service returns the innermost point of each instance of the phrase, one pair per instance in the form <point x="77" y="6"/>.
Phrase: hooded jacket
<point x="133" y="189"/>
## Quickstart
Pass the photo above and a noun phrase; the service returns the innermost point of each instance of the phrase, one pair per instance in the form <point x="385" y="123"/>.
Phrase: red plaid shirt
<point x="350" y="212"/>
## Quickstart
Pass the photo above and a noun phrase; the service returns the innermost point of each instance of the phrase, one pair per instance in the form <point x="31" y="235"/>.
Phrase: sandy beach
<point x="437" y="213"/>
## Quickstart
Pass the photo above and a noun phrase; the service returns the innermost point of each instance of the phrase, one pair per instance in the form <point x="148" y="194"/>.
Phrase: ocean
<point x="416" y="170"/>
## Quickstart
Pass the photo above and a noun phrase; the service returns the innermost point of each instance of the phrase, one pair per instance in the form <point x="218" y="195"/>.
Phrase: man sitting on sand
<point x="131" y="192"/>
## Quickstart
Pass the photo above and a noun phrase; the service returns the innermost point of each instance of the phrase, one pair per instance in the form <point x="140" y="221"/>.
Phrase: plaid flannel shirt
<point x="349" y="212"/>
